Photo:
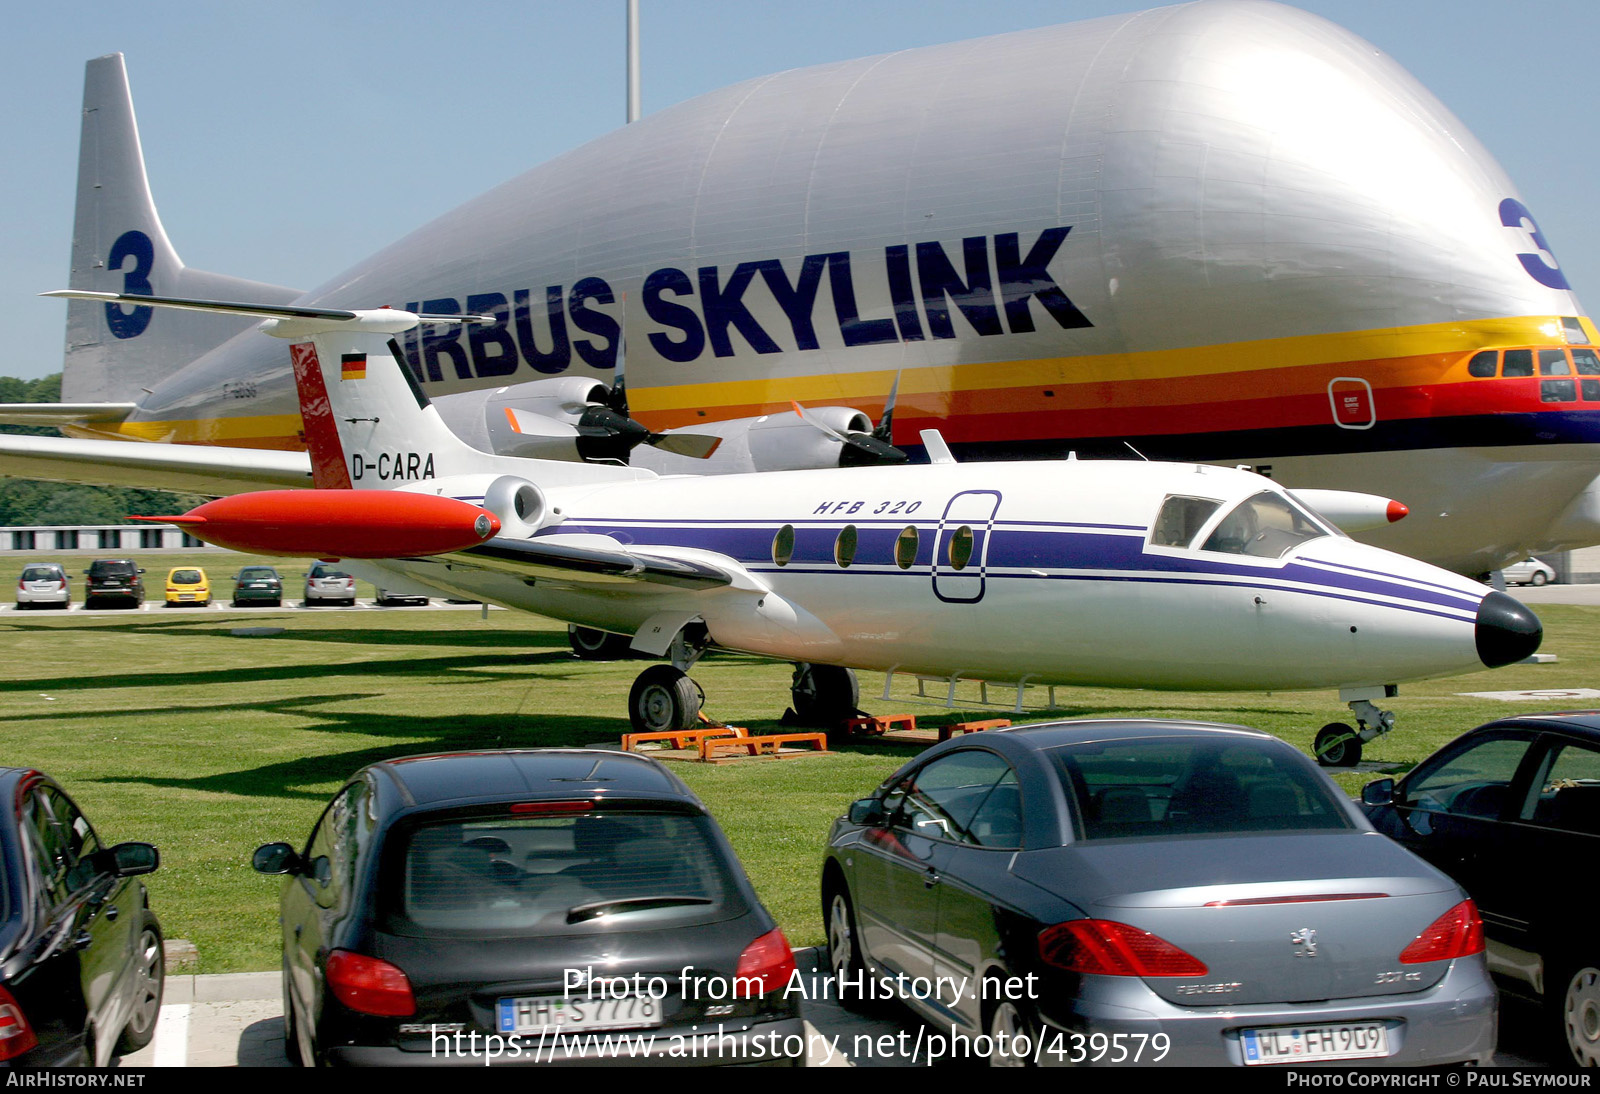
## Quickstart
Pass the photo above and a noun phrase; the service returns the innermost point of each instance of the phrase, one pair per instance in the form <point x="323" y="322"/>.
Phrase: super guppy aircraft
<point x="1022" y="573"/>
<point x="1226" y="231"/>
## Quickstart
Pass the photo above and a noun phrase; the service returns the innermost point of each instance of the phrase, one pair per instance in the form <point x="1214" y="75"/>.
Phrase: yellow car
<point x="188" y="585"/>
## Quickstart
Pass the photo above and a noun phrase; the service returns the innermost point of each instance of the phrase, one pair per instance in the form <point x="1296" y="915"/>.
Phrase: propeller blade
<point x="860" y="449"/>
<point x="698" y="446"/>
<point x="885" y="428"/>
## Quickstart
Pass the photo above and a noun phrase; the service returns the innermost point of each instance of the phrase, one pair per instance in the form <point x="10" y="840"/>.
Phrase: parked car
<point x="257" y="585"/>
<point x="387" y="597"/>
<point x="326" y="582"/>
<point x="113" y="579"/>
<point x="44" y="583"/>
<point x="475" y="893"/>
<point x="1142" y="892"/>
<point x="81" y="966"/>
<point x="188" y="585"/>
<point x="1530" y="571"/>
<point x="1511" y="810"/>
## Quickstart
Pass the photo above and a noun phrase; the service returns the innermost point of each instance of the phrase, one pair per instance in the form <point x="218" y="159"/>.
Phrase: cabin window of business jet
<point x="1519" y="362"/>
<point x="844" y="548"/>
<point x="1483" y="365"/>
<point x="1180" y="520"/>
<point x="1265" y="525"/>
<point x="905" y="547"/>
<point x="783" y="545"/>
<point x="961" y="548"/>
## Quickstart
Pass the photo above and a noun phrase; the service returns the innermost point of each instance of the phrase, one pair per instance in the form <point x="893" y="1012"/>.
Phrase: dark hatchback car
<point x="257" y="585"/>
<point x="1135" y="893"/>
<point x="1511" y="810"/>
<point x="113" y="580"/>
<point x="81" y="966"/>
<point x="545" y="905"/>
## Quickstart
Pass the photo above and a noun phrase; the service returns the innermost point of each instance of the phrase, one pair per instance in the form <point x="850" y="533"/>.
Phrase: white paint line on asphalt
<point x="172" y="1036"/>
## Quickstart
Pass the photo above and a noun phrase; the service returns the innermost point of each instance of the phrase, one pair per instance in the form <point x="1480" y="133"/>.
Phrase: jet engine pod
<point x="520" y="505"/>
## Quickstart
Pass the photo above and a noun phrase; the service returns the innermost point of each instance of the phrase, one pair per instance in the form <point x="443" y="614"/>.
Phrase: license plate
<point x="185" y="596"/>
<point x="553" y="1013"/>
<point x="1297" y="1044"/>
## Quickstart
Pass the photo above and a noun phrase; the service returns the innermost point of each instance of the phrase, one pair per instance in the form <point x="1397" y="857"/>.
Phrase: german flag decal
<point x="352" y="366"/>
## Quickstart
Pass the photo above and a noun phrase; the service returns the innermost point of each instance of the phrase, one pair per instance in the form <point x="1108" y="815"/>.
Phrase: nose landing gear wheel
<point x="1337" y="745"/>
<point x="663" y="698"/>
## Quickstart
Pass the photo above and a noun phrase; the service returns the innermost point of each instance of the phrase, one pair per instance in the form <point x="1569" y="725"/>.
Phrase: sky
<point x="286" y="140"/>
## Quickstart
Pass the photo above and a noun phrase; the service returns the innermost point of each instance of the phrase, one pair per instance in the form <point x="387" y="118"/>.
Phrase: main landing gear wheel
<point x="824" y="695"/>
<point x="1337" y="745"/>
<point x="663" y="698"/>
<point x="589" y="644"/>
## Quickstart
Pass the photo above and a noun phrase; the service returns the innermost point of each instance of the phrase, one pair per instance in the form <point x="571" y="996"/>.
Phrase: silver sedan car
<point x="1136" y="893"/>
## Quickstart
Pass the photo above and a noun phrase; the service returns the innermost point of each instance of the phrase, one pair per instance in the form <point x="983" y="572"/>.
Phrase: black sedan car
<point x="534" y="906"/>
<point x="1511" y="810"/>
<point x="1138" y="893"/>
<point x="81" y="966"/>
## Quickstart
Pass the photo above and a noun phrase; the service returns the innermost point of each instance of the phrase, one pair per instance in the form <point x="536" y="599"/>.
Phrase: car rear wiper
<point x="582" y="913"/>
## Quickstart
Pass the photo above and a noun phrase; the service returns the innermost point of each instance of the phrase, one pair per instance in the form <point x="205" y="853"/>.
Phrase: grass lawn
<point x="167" y="728"/>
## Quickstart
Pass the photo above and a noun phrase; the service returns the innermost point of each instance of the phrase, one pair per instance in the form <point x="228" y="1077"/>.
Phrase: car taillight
<point x="16" y="1036"/>
<point x="1107" y="948"/>
<point x="370" y="986"/>
<point x="1457" y="933"/>
<point x="766" y="965"/>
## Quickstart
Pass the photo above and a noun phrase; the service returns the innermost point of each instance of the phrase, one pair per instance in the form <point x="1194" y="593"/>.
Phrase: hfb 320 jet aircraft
<point x="1069" y="572"/>
<point x="1225" y="231"/>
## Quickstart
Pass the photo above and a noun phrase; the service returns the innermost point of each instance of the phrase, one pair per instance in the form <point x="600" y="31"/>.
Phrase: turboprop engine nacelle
<point x="537" y="420"/>
<point x="519" y="505"/>
<point x="771" y="442"/>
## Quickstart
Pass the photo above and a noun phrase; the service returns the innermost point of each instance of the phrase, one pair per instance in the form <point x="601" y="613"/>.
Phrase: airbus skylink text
<point x="585" y="983"/>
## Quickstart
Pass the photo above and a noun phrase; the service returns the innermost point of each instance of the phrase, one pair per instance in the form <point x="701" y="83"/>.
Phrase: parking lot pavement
<point x="236" y="1020"/>
<point x="182" y="610"/>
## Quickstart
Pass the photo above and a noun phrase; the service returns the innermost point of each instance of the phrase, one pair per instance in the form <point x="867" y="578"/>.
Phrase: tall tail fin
<point x="118" y="245"/>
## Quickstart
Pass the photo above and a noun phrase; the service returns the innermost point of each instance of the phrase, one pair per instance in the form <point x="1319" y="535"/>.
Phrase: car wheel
<point x="1538" y="578"/>
<point x="1579" y="1014"/>
<point x="1011" y="1036"/>
<point x="589" y="644"/>
<point x="663" y="698"/>
<point x="844" y="951"/>
<point x="149" y="976"/>
<point x="1336" y="745"/>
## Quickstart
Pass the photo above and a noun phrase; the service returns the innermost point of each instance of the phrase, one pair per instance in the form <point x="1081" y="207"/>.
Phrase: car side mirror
<point x="868" y="813"/>
<point x="275" y="858"/>
<point x="141" y="571"/>
<point x="1380" y="792"/>
<point x="130" y="859"/>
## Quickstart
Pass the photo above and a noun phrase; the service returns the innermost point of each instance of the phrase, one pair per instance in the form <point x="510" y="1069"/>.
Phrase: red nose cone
<point x="1397" y="510"/>
<point x="342" y="523"/>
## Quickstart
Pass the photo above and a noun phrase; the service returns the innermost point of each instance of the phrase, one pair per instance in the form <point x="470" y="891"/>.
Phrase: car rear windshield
<point x="186" y="577"/>
<point x="41" y="573"/>
<point x="321" y="573"/>
<point x="108" y="569"/>
<point x="1176" y="786"/>
<point x="257" y="573"/>
<point x="550" y="875"/>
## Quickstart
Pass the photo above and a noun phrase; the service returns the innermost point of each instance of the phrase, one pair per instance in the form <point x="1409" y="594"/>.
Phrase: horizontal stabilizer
<point x="59" y="414"/>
